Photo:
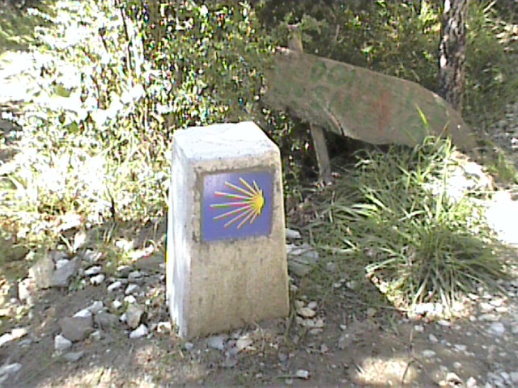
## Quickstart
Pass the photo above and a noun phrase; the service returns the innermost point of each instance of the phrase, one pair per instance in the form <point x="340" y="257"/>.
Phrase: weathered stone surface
<point x="134" y="315"/>
<point x="62" y="275"/>
<point x="42" y="272"/>
<point x="215" y="285"/>
<point x="360" y="103"/>
<point x="76" y="328"/>
<point x="106" y="320"/>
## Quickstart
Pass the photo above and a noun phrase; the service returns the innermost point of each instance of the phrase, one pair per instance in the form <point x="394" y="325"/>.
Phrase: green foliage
<point x="416" y="236"/>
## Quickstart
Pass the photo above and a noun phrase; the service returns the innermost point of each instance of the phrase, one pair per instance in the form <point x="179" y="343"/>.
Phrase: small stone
<point x="97" y="279"/>
<point x="131" y="289"/>
<point x="62" y="275"/>
<point x="130" y="299"/>
<point x="302" y="374"/>
<point x="292" y="234"/>
<point x="116" y="304"/>
<point x="73" y="356"/>
<point x="312" y="305"/>
<point x="306" y="312"/>
<point x="453" y="379"/>
<point x="105" y="320"/>
<point x="188" y="346"/>
<point x="243" y="343"/>
<point x="84" y="313"/>
<point x="124" y="270"/>
<point x="496" y="328"/>
<point x="471" y="382"/>
<point x="352" y="284"/>
<point x="418" y="328"/>
<point x="14" y="334"/>
<point x="488" y="317"/>
<point x="371" y="312"/>
<point x="331" y="267"/>
<point x="133" y="315"/>
<point x="139" y="332"/>
<point x="134" y="275"/>
<point x="94" y="270"/>
<point x="76" y="328"/>
<point x="61" y="343"/>
<point x="444" y="323"/>
<point x="42" y="272"/>
<point x="324" y="348"/>
<point x="96" y="307"/>
<point x="10" y="369"/>
<point x="428" y="353"/>
<point x="163" y="327"/>
<point x="460" y="347"/>
<point x="433" y="339"/>
<point x="96" y="336"/>
<point x="514" y="377"/>
<point x="217" y="342"/>
<point x="114" y="286"/>
<point x="457" y="365"/>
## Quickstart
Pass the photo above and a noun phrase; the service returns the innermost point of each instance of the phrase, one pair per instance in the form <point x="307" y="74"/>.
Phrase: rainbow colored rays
<point x="237" y="205"/>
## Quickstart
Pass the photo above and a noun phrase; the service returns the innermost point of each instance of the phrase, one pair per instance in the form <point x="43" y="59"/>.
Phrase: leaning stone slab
<point x="226" y="258"/>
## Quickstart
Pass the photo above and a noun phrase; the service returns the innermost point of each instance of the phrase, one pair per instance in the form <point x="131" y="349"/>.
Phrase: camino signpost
<point x="226" y="258"/>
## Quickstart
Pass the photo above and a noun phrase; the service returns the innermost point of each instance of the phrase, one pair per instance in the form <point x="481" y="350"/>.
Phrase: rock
<point x="84" y="313"/>
<point x="133" y="315"/>
<point x="306" y="312"/>
<point x="10" y="369"/>
<point x="131" y="289"/>
<point x="96" y="335"/>
<point x="139" y="332"/>
<point x="292" y="234"/>
<point x="164" y="327"/>
<point x="188" y="346"/>
<point x="471" y="382"/>
<point x="61" y="277"/>
<point x="124" y="270"/>
<point x="42" y="272"/>
<point x="217" y="342"/>
<point x="130" y="299"/>
<point x="243" y="343"/>
<point x="116" y="304"/>
<point x="96" y="307"/>
<point x="76" y="328"/>
<point x="302" y="259"/>
<point x="488" y="317"/>
<point x="61" y="343"/>
<point x="428" y="353"/>
<point x="13" y="335"/>
<point x="496" y="329"/>
<point x="114" y="286"/>
<point x="27" y="289"/>
<point x="135" y="275"/>
<point x="302" y="374"/>
<point x="94" y="270"/>
<point x="97" y="279"/>
<point x="460" y="347"/>
<point x="73" y="356"/>
<point x="514" y="377"/>
<point x="106" y="320"/>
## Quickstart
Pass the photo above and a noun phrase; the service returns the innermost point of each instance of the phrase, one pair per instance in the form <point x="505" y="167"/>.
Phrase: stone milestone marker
<point x="226" y="255"/>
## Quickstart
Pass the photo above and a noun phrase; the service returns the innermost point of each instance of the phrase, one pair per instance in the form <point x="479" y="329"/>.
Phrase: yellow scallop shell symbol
<point x="246" y="204"/>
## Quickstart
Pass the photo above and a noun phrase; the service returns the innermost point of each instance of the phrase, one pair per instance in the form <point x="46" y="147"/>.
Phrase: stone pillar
<point x="226" y="256"/>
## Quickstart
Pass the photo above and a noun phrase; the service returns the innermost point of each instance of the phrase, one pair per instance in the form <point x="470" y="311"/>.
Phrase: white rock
<point x="496" y="328"/>
<point x="460" y="347"/>
<point x="131" y="289"/>
<point x="139" y="332"/>
<point x="114" y="286"/>
<point x="302" y="374"/>
<point x="10" y="369"/>
<point x="96" y="335"/>
<point x="116" y="304"/>
<point x="188" y="346"/>
<point x="96" y="307"/>
<point x="514" y="377"/>
<point x="428" y="353"/>
<point x="163" y="327"/>
<point x="418" y="328"/>
<point x="135" y="275"/>
<point x="133" y="315"/>
<point x="95" y="270"/>
<point x="61" y="263"/>
<point x="488" y="317"/>
<point x="97" y="279"/>
<point x="471" y="382"/>
<point x="61" y="343"/>
<point x="292" y="234"/>
<point x="217" y="342"/>
<point x="84" y="313"/>
<point x="130" y="299"/>
<point x="433" y="339"/>
<point x="306" y="312"/>
<point x="244" y="342"/>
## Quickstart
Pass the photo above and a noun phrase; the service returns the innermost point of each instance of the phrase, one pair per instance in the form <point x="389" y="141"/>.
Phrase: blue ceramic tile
<point x="237" y="205"/>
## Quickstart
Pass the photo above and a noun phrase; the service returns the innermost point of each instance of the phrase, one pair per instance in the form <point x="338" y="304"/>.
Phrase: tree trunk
<point x="452" y="51"/>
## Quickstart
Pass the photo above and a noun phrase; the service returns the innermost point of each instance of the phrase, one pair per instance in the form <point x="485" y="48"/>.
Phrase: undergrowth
<point x="416" y="235"/>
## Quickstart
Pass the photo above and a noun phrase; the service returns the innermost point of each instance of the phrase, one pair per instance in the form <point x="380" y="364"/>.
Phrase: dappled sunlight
<point x="395" y="371"/>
